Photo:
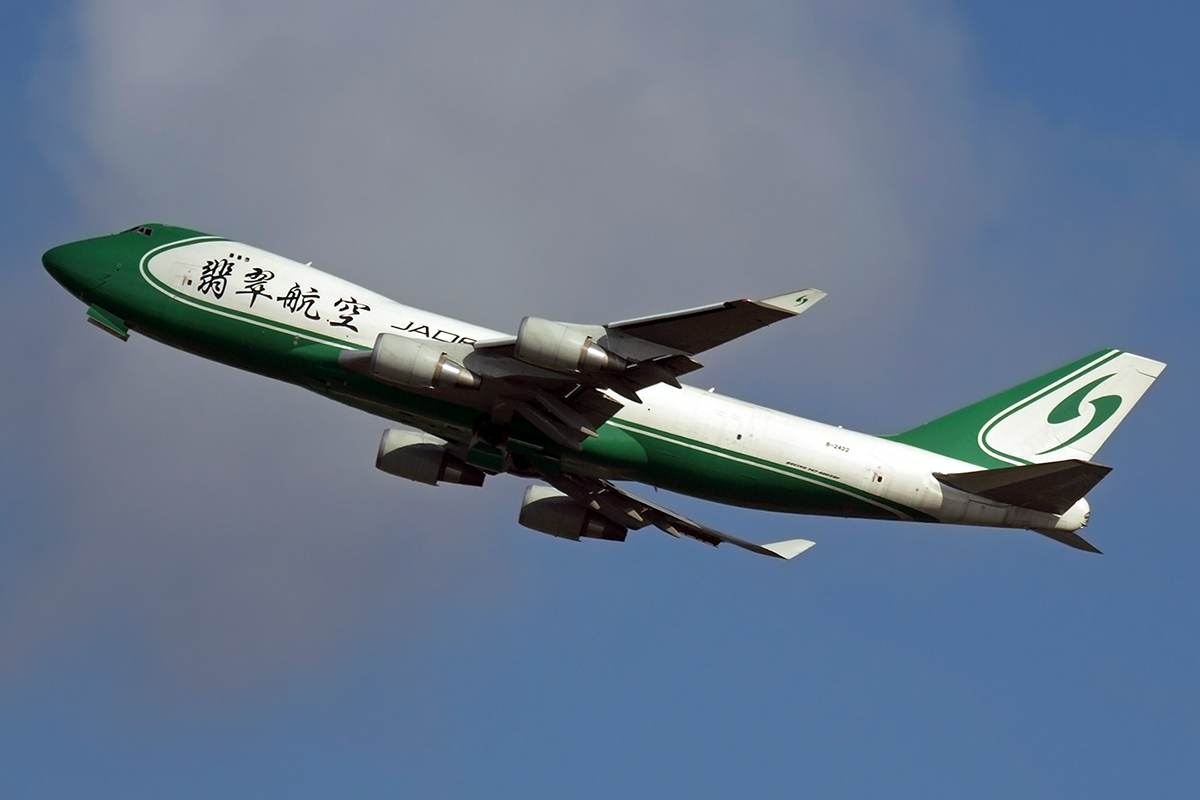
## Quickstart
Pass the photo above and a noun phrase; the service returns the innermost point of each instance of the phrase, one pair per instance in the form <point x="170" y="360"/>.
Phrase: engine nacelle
<point x="548" y="510"/>
<point x="423" y="458"/>
<point x="408" y="362"/>
<point x="562" y="348"/>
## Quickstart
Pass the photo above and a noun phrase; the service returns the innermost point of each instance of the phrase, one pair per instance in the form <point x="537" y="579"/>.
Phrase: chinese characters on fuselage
<point x="213" y="277"/>
<point x="347" y="311"/>
<point x="257" y="283"/>
<point x="296" y="300"/>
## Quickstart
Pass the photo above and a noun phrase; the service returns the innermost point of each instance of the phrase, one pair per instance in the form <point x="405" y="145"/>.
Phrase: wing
<point x="627" y="511"/>
<point x="558" y="376"/>
<point x="698" y="329"/>
<point x="562" y="377"/>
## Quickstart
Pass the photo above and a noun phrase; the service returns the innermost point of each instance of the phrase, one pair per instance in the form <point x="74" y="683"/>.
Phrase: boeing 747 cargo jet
<point x="584" y="409"/>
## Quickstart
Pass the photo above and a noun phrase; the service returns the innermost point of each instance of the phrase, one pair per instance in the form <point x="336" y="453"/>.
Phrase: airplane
<point x="583" y="408"/>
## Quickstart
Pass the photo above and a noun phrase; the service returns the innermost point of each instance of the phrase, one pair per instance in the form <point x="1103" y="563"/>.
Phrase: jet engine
<point x="563" y="348"/>
<point x="408" y="362"/>
<point x="548" y="510"/>
<point x="423" y="458"/>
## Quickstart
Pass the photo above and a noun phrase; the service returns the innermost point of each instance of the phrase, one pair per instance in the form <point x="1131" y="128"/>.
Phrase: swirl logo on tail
<point x="1070" y="408"/>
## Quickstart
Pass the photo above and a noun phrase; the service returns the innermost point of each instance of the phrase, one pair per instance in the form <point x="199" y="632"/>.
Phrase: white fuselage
<point x="887" y="470"/>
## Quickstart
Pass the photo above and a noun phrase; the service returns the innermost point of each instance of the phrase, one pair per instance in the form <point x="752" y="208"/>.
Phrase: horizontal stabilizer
<point x="1053" y="487"/>
<point x="1069" y="538"/>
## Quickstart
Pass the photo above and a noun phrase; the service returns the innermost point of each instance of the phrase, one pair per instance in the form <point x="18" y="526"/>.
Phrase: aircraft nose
<point x="74" y="267"/>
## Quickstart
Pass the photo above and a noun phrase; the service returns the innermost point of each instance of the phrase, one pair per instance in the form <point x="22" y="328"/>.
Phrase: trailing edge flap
<point x="1052" y="487"/>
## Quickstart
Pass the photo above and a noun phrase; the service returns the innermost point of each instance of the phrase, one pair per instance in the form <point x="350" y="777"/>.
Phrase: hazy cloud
<point x="497" y="158"/>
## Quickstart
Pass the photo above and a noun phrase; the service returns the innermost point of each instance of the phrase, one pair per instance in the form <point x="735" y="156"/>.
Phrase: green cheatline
<point x="782" y="469"/>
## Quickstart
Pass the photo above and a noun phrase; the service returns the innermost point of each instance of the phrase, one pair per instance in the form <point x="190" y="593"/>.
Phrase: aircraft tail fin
<point x="1065" y="414"/>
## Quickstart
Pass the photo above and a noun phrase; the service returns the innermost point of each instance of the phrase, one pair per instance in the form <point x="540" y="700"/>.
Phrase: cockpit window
<point x="142" y="229"/>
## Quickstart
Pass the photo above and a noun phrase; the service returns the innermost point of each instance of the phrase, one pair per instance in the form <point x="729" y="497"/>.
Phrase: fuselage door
<point x="876" y="476"/>
<point x="186" y="276"/>
<point x="729" y="428"/>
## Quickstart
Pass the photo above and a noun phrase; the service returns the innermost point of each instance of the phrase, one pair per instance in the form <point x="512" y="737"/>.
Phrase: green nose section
<point x="76" y="266"/>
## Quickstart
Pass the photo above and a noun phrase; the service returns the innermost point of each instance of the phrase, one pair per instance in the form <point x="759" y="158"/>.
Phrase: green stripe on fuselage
<point x="705" y="470"/>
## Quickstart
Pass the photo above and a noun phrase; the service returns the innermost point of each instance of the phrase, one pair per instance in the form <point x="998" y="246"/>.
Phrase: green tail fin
<point x="1064" y="414"/>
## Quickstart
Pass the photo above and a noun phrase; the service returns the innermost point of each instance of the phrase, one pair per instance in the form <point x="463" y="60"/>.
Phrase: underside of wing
<point x="570" y="507"/>
<point x="577" y="507"/>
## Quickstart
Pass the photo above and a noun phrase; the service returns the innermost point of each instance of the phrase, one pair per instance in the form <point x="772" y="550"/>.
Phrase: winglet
<point x="789" y="549"/>
<point x="793" y="302"/>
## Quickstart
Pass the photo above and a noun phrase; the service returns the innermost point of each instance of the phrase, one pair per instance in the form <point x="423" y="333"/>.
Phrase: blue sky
<point x="206" y="588"/>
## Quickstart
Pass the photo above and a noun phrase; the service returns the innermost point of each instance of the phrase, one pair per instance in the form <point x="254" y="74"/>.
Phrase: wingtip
<point x="793" y="302"/>
<point x="789" y="549"/>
